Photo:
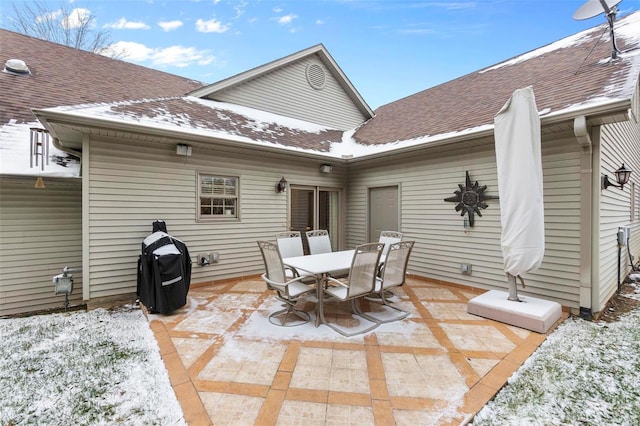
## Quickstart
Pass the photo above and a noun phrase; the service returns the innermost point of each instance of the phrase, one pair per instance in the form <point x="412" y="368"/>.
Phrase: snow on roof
<point x="575" y="75"/>
<point x="15" y="154"/>
<point x="159" y="114"/>
<point x="395" y="126"/>
<point x="627" y="29"/>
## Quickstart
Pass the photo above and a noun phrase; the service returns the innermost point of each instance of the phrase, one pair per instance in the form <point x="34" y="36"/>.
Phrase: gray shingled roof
<point x="570" y="74"/>
<point x="61" y="75"/>
<point x="563" y="74"/>
<point x="217" y="117"/>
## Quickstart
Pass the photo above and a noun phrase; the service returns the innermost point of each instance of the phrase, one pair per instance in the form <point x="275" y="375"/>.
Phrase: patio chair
<point x="287" y="290"/>
<point x="319" y="241"/>
<point x="290" y="245"/>
<point x="393" y="274"/>
<point x="360" y="282"/>
<point x="389" y="237"/>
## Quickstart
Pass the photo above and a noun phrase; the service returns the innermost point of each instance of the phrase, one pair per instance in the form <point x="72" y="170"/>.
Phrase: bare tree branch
<point x="71" y="27"/>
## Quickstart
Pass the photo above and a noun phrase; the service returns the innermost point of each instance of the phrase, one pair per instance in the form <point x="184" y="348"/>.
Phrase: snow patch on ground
<point x="96" y="367"/>
<point x="584" y="373"/>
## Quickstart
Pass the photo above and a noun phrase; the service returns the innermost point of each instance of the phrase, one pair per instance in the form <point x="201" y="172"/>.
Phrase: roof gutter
<point x="612" y="107"/>
<point x="48" y="117"/>
<point x="56" y="142"/>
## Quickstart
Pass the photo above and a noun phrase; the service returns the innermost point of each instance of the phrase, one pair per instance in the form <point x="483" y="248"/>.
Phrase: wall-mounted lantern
<point x="622" y="177"/>
<point x="281" y="186"/>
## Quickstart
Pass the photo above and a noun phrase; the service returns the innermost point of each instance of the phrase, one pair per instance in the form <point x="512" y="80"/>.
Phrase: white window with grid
<point x="218" y="196"/>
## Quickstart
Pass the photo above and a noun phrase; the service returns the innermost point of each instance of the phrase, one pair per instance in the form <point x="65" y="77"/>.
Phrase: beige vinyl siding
<point x="40" y="234"/>
<point x="442" y="243"/>
<point x="132" y="184"/>
<point x="287" y="92"/>
<point x="620" y="143"/>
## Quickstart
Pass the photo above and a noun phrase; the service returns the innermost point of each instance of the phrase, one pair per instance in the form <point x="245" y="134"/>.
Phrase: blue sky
<point x="389" y="49"/>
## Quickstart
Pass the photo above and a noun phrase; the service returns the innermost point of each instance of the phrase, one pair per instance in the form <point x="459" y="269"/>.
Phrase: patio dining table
<point x="321" y="265"/>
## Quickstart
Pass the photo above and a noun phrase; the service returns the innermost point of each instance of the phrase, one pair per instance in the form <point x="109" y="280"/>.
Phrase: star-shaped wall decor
<point x="470" y="199"/>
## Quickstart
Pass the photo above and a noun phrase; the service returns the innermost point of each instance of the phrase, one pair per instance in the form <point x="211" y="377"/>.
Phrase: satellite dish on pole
<point x="594" y="8"/>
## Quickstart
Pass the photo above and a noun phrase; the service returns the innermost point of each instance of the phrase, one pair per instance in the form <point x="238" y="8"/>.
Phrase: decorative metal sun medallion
<point x="470" y="199"/>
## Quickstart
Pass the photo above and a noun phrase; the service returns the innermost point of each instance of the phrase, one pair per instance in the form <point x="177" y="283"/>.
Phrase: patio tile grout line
<point x="481" y="388"/>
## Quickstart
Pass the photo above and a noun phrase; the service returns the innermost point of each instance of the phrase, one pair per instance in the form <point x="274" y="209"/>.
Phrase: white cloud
<point x="49" y="16"/>
<point x="180" y="56"/>
<point x="122" y="23"/>
<point x="176" y="56"/>
<point x="319" y="22"/>
<point x="170" y="25"/>
<point x="240" y="9"/>
<point x="287" y="19"/>
<point x="129" y="50"/>
<point x="77" y="18"/>
<point x="211" y="26"/>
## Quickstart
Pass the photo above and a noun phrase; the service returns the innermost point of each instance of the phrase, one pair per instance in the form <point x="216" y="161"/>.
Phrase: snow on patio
<point x="104" y="367"/>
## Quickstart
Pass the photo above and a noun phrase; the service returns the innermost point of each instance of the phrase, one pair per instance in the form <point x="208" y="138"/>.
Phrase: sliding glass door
<point x="316" y="208"/>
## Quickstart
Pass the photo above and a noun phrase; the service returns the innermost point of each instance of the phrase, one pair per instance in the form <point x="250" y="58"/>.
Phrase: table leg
<point x="320" y="295"/>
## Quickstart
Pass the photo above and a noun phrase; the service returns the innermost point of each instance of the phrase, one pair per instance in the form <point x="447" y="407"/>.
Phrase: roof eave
<point x="50" y="119"/>
<point x="616" y="110"/>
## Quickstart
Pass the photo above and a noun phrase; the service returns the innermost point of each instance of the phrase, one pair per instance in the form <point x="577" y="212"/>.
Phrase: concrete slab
<point x="531" y="313"/>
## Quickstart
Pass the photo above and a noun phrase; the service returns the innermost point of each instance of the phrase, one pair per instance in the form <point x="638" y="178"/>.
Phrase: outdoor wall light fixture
<point x="183" y="149"/>
<point x="281" y="186"/>
<point x="622" y="177"/>
<point x="326" y="168"/>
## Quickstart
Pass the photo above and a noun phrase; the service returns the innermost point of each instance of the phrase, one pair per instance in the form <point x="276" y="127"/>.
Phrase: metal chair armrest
<point x="336" y="282"/>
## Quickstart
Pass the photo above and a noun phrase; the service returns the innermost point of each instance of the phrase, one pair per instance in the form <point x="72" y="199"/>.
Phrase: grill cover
<point x="164" y="272"/>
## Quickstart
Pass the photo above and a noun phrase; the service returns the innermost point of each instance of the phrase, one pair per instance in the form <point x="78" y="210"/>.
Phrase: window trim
<point x="216" y="217"/>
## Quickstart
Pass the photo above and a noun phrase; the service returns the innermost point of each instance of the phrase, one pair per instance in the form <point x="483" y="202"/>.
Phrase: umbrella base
<point x="530" y="313"/>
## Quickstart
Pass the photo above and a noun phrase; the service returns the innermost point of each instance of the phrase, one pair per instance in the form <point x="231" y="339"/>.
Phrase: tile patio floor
<point x="229" y="366"/>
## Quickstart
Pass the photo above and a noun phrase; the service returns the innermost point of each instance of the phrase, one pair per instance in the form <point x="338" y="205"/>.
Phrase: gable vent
<point x="316" y="76"/>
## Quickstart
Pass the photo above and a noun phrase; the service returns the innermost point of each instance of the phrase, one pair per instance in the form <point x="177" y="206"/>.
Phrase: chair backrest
<point x="290" y="243"/>
<point x="395" y="265"/>
<point x="319" y="241"/>
<point x="274" y="268"/>
<point x="364" y="267"/>
<point x="388" y="238"/>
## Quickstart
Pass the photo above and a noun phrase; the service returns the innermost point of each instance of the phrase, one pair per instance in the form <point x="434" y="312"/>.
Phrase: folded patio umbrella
<point x="519" y="162"/>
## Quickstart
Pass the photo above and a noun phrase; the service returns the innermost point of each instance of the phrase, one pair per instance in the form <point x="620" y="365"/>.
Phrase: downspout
<point x="583" y="137"/>
<point x="86" y="269"/>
